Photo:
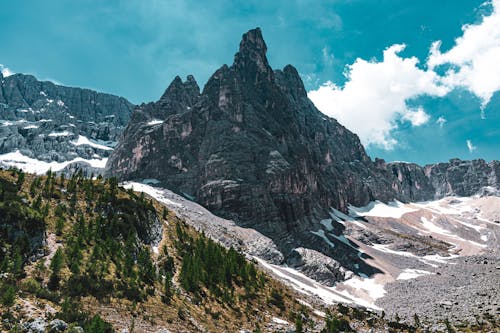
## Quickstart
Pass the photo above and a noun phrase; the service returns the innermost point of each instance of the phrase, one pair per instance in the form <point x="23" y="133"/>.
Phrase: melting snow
<point x="28" y="164"/>
<point x="410" y="273"/>
<point x="63" y="133"/>
<point x="434" y="228"/>
<point x="280" y="321"/>
<point x="154" y="192"/>
<point x="30" y="127"/>
<point x="155" y="122"/>
<point x="327" y="224"/>
<point x="394" y="209"/>
<point x="83" y="140"/>
<point x="321" y="233"/>
<point x="330" y="295"/>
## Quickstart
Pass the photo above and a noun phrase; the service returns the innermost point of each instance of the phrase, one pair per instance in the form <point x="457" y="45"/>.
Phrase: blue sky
<point x="367" y="63"/>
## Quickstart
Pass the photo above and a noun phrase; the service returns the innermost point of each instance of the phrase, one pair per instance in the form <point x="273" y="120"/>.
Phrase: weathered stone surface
<point x="41" y="119"/>
<point x="252" y="147"/>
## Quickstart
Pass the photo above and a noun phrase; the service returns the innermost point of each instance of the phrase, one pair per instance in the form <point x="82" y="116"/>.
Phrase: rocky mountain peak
<point x="182" y="92"/>
<point x="290" y="82"/>
<point x="251" y="61"/>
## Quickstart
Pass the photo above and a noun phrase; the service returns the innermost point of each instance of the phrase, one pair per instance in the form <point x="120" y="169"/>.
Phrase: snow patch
<point x="58" y="134"/>
<point x="410" y="273"/>
<point x="150" y="190"/>
<point x="83" y="140"/>
<point x="155" y="122"/>
<point x="28" y="164"/>
<point x="329" y="295"/>
<point x="393" y="209"/>
<point x="321" y="233"/>
<point x="280" y="321"/>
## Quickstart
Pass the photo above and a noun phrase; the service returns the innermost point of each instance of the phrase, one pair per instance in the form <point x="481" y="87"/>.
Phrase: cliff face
<point x="456" y="177"/>
<point x="41" y="119"/>
<point x="252" y="147"/>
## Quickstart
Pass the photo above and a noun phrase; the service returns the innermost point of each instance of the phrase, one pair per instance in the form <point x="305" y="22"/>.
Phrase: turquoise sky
<point x="135" y="48"/>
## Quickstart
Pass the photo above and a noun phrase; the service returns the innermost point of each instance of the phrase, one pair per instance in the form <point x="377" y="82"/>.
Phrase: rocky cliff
<point x="53" y="123"/>
<point x="252" y="147"/>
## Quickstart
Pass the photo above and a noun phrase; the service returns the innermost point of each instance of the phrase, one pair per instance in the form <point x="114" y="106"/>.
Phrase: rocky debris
<point x="42" y="119"/>
<point x="57" y="325"/>
<point x="224" y="231"/>
<point x="36" y="326"/>
<point x="465" y="291"/>
<point x="86" y="168"/>
<point x="318" y="266"/>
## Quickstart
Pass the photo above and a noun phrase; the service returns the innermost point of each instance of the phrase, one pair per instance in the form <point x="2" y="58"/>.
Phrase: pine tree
<point x="55" y="266"/>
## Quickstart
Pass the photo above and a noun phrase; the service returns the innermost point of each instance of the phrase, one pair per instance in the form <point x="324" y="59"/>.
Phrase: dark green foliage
<point x="21" y="229"/>
<point x="59" y="226"/>
<point x="298" y="324"/>
<point x="20" y="179"/>
<point x="71" y="311"/>
<point x="343" y="309"/>
<point x="55" y="266"/>
<point x="98" y="325"/>
<point x="336" y="325"/>
<point x="208" y="264"/>
<point x="8" y="295"/>
<point x="276" y="299"/>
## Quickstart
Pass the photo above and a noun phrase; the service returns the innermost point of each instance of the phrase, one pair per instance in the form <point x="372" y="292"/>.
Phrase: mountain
<point x="42" y="122"/>
<point x="86" y="255"/>
<point x="253" y="148"/>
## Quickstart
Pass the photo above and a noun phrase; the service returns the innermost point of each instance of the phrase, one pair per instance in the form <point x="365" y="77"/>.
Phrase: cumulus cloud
<point x="474" y="57"/>
<point x="375" y="94"/>
<point x="470" y="146"/>
<point x="5" y="71"/>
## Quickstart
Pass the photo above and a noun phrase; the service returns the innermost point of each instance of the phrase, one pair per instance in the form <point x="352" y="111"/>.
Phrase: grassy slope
<point x="121" y="296"/>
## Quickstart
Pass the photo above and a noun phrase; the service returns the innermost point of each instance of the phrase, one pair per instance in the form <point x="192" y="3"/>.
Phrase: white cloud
<point x="417" y="117"/>
<point x="476" y="55"/>
<point x="375" y="96"/>
<point x="5" y="71"/>
<point x="470" y="146"/>
<point x="441" y="121"/>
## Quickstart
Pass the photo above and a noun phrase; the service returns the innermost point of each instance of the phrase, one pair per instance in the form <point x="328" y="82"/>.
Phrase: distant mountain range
<point x="49" y="125"/>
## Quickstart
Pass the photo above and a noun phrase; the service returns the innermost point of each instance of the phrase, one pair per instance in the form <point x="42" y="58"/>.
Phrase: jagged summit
<point x="252" y="147"/>
<point x="184" y="92"/>
<point x="251" y="61"/>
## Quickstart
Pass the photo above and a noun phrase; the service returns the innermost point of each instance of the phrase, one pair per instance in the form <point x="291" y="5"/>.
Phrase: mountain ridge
<point x="253" y="148"/>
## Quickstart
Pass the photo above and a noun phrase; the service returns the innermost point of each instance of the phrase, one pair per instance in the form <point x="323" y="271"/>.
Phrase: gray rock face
<point x="42" y="119"/>
<point x="315" y="264"/>
<point x="250" y="147"/>
<point x="457" y="177"/>
<point x="36" y="326"/>
<point x="253" y="148"/>
<point x="57" y="325"/>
